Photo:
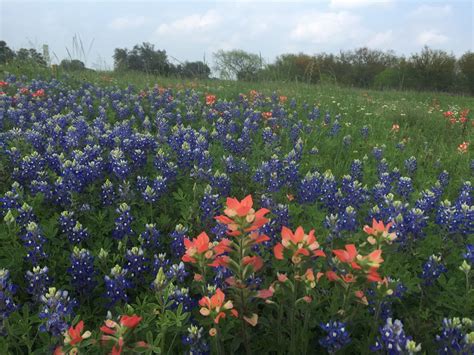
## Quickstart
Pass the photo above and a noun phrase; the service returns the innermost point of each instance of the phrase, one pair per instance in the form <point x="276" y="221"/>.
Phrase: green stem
<point x="279" y="333"/>
<point x="304" y="340"/>
<point x="293" y="314"/>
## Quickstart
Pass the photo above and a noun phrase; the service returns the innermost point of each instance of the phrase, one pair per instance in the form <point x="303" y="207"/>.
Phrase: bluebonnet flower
<point x="180" y="296"/>
<point x="67" y="222"/>
<point x="393" y="339"/>
<point x="136" y="265"/>
<point x="33" y="241"/>
<point x="138" y="158"/>
<point x="177" y="272"/>
<point x="411" y="165"/>
<point x="150" y="238"/>
<point x="82" y="271"/>
<point x="107" y="193"/>
<point x="378" y="152"/>
<point x="382" y="168"/>
<point x="160" y="261"/>
<point x="456" y="219"/>
<point x="123" y="223"/>
<point x="160" y="185"/>
<point x="365" y="131"/>
<point x="337" y="336"/>
<point x="209" y="204"/>
<point x="400" y="146"/>
<point x="310" y="188"/>
<point x="221" y="183"/>
<point x="357" y="170"/>
<point x="432" y="270"/>
<point x="335" y="128"/>
<point x="405" y="187"/>
<point x="348" y="219"/>
<point x="443" y="178"/>
<point x="149" y="195"/>
<point x="56" y="312"/>
<point x="469" y="255"/>
<point x="219" y="230"/>
<point x="37" y="282"/>
<point x="118" y="164"/>
<point x="25" y="215"/>
<point x="195" y="341"/>
<point x="7" y="303"/>
<point x="329" y="191"/>
<point x="78" y="234"/>
<point x="116" y="285"/>
<point x="410" y="226"/>
<point x="457" y="337"/>
<point x="177" y="241"/>
<point x="327" y="118"/>
<point x="268" y="136"/>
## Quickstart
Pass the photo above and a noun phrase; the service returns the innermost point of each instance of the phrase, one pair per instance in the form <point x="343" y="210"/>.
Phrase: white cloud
<point x="424" y="11"/>
<point x="191" y="23"/>
<point x="431" y="37"/>
<point x="350" y="4"/>
<point x="127" y="22"/>
<point x="381" y="40"/>
<point x="326" y="27"/>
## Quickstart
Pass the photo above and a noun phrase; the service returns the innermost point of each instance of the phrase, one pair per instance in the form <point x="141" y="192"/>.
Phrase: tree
<point x="120" y="59"/>
<point x="195" y="70"/>
<point x="30" y="55"/>
<point x="144" y="58"/>
<point x="6" y="54"/>
<point x="237" y="64"/>
<point x="466" y="65"/>
<point x="432" y="69"/>
<point x="73" y="64"/>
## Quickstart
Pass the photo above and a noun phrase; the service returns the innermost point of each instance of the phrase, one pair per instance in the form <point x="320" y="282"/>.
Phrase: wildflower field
<point x="151" y="215"/>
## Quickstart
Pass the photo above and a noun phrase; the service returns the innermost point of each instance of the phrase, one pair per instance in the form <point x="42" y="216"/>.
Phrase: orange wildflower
<point x="348" y="255"/>
<point x="298" y="243"/>
<point x="210" y="99"/>
<point x="215" y="306"/>
<point x="266" y="115"/>
<point x="239" y="215"/>
<point x="73" y="335"/>
<point x="462" y="148"/>
<point x="379" y="231"/>
<point x="201" y="248"/>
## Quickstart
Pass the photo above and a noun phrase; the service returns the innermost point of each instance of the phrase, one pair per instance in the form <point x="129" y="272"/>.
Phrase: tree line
<point x="430" y="69"/>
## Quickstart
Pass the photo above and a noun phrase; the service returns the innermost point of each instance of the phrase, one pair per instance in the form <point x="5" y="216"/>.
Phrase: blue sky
<point x="192" y="30"/>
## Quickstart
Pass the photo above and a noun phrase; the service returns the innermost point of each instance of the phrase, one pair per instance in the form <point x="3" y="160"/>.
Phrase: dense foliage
<point x="349" y="231"/>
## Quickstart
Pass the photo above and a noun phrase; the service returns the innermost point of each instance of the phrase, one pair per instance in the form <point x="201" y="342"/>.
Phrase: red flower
<point x="195" y="247"/>
<point x="298" y="243"/>
<point x="74" y="336"/>
<point x="379" y="230"/>
<point x="3" y="84"/>
<point x="348" y="255"/>
<point x="241" y="215"/>
<point x="38" y="93"/>
<point x="266" y="115"/>
<point x="130" y="321"/>
<point x="110" y="327"/>
<point x="215" y="305"/>
<point x="210" y="99"/>
<point x="462" y="148"/>
<point x="255" y="261"/>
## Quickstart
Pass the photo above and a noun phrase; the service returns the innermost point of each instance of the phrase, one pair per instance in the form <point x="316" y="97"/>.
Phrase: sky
<point x="193" y="30"/>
